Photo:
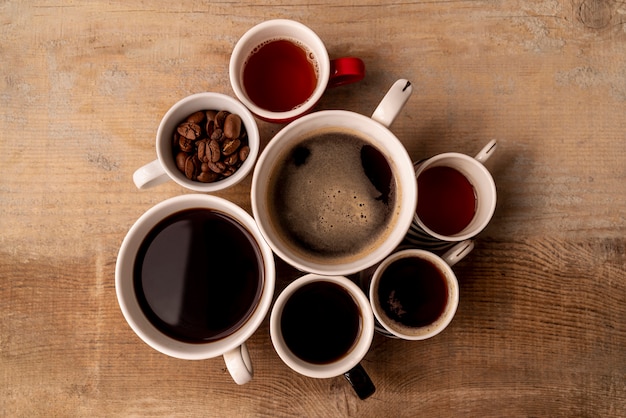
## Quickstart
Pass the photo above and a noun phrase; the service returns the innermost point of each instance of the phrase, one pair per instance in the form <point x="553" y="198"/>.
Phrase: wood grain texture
<point x="541" y="327"/>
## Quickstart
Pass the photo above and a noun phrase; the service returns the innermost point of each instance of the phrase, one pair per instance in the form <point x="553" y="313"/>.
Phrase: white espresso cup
<point x="153" y="316"/>
<point x="479" y="188"/>
<point x="328" y="209"/>
<point x="164" y="168"/>
<point x="414" y="293"/>
<point x="322" y="327"/>
<point x="274" y="89"/>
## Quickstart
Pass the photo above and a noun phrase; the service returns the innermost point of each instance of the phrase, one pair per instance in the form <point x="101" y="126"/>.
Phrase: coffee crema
<point x="198" y="275"/>
<point x="332" y="197"/>
<point x="320" y="322"/>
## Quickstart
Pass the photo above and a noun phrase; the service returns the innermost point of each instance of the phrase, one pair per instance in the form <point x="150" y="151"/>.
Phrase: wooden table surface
<point x="541" y="326"/>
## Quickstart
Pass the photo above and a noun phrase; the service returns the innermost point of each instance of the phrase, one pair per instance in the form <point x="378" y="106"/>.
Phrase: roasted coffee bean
<point x="232" y="126"/>
<point x="243" y="153"/>
<point x="189" y="130"/>
<point x="210" y="145"/>
<point x="220" y="118"/>
<point x="214" y="147"/>
<point x="181" y="157"/>
<point x="196" y="118"/>
<point x="230" y="146"/>
<point x="217" y="167"/>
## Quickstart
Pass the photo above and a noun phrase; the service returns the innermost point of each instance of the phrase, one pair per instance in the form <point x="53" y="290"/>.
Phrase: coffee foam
<point x="324" y="198"/>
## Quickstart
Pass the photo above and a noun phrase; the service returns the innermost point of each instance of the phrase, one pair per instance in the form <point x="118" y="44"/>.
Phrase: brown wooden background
<point x="541" y="328"/>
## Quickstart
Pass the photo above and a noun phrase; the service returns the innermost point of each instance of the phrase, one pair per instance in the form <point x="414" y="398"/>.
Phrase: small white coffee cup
<point x="375" y="132"/>
<point x="484" y="190"/>
<point x="232" y="347"/>
<point x="389" y="310"/>
<point x="317" y="321"/>
<point x="329" y="73"/>
<point x="164" y="167"/>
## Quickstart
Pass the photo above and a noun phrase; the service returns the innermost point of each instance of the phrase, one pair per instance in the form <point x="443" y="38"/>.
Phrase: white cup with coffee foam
<point x="141" y="317"/>
<point x="339" y="218"/>
<point x="414" y="293"/>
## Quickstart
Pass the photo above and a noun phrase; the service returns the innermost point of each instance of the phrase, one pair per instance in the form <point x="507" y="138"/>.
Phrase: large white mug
<point x="164" y="280"/>
<point x="334" y="192"/>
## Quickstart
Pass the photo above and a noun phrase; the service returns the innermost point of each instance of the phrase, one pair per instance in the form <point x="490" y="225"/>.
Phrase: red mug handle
<point x="345" y="70"/>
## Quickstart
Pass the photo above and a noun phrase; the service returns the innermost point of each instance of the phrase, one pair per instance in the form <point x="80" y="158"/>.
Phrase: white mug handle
<point x="393" y="102"/>
<point x="487" y="151"/>
<point x="239" y="364"/>
<point x="458" y="252"/>
<point x="150" y="175"/>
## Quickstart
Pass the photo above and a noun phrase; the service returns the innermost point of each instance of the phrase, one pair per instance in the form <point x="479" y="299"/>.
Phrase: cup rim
<point x="348" y="361"/>
<point x="231" y="104"/>
<point x="423" y="165"/>
<point x="241" y="51"/>
<point x="368" y="127"/>
<point x="129" y="305"/>
<point x="450" y="278"/>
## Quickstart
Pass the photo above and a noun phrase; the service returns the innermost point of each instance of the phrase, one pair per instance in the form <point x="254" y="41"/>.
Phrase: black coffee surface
<point x="333" y="196"/>
<point x="320" y="322"/>
<point x="198" y="275"/>
<point x="413" y="292"/>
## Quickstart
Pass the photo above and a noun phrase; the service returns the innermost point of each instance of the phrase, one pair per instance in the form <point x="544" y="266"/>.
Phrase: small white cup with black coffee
<point x="414" y="293"/>
<point x="194" y="279"/>
<point x="322" y="327"/>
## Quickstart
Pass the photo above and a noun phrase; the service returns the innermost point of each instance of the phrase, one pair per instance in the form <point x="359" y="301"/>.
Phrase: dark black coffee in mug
<point x="413" y="292"/>
<point x="320" y="322"/>
<point x="198" y="275"/>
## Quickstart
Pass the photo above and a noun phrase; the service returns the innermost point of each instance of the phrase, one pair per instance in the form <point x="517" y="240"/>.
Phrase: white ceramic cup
<point x="375" y="131"/>
<point x="231" y="347"/>
<point x="348" y="364"/>
<point x="484" y="191"/>
<point x="389" y="326"/>
<point x="164" y="167"/>
<point x="330" y="73"/>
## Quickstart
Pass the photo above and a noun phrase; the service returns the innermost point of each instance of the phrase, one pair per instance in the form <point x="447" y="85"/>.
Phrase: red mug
<point x="280" y="68"/>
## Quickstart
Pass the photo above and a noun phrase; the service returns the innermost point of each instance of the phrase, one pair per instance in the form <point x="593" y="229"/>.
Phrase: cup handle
<point x="239" y="364"/>
<point x="346" y="70"/>
<point x="150" y="175"/>
<point x="458" y="252"/>
<point x="360" y="381"/>
<point x="393" y="102"/>
<point x="487" y="151"/>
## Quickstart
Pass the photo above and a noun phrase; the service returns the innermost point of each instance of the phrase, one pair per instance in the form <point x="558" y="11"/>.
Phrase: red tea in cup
<point x="446" y="200"/>
<point x="280" y="75"/>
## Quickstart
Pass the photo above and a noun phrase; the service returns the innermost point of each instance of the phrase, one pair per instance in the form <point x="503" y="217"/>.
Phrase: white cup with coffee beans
<point x="205" y="142"/>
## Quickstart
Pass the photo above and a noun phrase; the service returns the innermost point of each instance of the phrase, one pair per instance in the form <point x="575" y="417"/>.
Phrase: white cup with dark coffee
<point x="322" y="327"/>
<point x="414" y="293"/>
<point x="334" y="192"/>
<point x="194" y="279"/>
<point x="456" y="198"/>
